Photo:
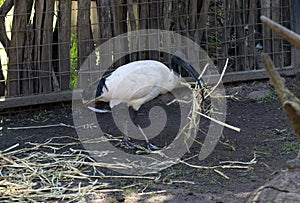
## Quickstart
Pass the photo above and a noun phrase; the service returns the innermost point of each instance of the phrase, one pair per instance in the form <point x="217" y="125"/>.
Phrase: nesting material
<point x="34" y="174"/>
<point x="53" y="171"/>
<point x="198" y="107"/>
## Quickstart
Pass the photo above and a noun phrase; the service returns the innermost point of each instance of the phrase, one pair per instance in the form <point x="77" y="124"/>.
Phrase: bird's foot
<point x="131" y="145"/>
<point x="151" y="146"/>
<point x="126" y="144"/>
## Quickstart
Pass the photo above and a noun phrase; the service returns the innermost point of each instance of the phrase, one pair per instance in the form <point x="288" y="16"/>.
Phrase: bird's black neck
<point x="175" y="64"/>
<point x="176" y="61"/>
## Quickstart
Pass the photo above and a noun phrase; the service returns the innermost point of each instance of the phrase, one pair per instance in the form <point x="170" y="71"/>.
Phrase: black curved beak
<point x="193" y="72"/>
<point x="176" y="61"/>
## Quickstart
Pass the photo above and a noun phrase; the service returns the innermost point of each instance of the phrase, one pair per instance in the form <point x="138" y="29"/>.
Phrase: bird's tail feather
<point x="99" y="110"/>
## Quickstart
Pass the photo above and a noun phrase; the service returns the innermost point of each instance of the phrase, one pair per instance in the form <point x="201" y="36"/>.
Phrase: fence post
<point x="295" y="26"/>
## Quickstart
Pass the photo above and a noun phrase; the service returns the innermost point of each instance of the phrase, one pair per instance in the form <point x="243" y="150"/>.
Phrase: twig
<point x="40" y="126"/>
<point x="214" y="167"/>
<point x="182" y="181"/>
<point x="203" y="71"/>
<point x="239" y="165"/>
<point x="220" y="79"/>
<point x="220" y="122"/>
<point x="221" y="174"/>
<point x="153" y="192"/>
<point x="275" y="139"/>
<point x="11" y="147"/>
<point x="287" y="34"/>
<point x="239" y="162"/>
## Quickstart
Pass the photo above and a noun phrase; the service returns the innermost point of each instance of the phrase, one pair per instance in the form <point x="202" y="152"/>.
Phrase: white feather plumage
<point x="138" y="82"/>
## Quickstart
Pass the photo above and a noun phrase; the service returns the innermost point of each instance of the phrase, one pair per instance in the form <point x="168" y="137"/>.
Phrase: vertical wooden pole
<point x="85" y="42"/>
<point x="22" y="10"/>
<point x="119" y="15"/>
<point x="64" y="35"/>
<point x="143" y="22"/>
<point x="2" y="82"/>
<point x="295" y="26"/>
<point x="46" y="54"/>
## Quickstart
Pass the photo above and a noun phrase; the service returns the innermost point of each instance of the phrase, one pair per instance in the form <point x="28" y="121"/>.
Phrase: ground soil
<point x="265" y="134"/>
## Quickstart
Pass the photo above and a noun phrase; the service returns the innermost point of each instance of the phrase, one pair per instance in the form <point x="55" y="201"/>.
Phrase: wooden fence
<point x="50" y="40"/>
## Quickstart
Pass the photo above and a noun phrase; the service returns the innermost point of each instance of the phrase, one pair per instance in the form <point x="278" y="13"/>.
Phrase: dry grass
<point x="35" y="174"/>
<point x="198" y="108"/>
<point x="54" y="171"/>
<point x="41" y="173"/>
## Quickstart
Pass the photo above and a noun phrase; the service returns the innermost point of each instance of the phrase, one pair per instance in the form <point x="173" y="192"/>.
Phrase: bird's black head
<point x="176" y="61"/>
<point x="179" y="59"/>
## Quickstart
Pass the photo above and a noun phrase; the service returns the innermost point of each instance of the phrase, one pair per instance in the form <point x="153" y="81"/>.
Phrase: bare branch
<point x="4" y="9"/>
<point x="287" y="34"/>
<point x="290" y="102"/>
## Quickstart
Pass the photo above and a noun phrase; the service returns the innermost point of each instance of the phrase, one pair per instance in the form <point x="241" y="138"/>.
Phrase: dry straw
<point x="34" y="174"/>
<point x="198" y="109"/>
<point x="53" y="171"/>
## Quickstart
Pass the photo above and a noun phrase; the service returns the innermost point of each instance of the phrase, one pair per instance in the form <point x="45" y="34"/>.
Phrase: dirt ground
<point x="265" y="134"/>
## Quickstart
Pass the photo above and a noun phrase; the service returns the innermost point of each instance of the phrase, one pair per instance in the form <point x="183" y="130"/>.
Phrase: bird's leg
<point x="135" y="121"/>
<point x="148" y="144"/>
<point x="125" y="140"/>
<point x="133" y="115"/>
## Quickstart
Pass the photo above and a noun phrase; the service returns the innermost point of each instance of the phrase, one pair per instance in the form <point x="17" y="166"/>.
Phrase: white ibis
<point x="137" y="83"/>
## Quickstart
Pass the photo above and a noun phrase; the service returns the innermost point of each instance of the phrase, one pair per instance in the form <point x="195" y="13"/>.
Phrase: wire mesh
<point x="44" y="43"/>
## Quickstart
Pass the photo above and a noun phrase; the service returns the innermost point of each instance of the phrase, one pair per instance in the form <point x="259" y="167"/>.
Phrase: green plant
<point x="176" y="171"/>
<point x="204" y="172"/>
<point x="290" y="147"/>
<point x="127" y="191"/>
<point x="111" y="200"/>
<point x="73" y="56"/>
<point x="271" y="96"/>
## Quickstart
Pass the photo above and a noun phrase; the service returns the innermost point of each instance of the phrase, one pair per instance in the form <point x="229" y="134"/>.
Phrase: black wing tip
<point x="100" y="87"/>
